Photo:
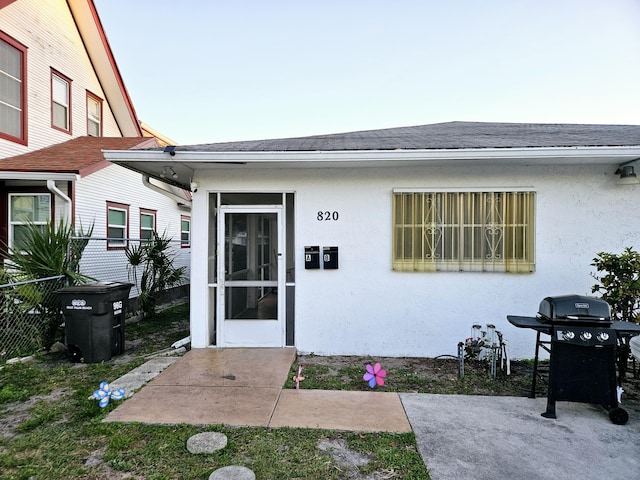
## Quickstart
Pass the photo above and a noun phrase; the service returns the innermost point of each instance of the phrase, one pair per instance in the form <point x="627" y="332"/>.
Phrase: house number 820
<point x="327" y="216"/>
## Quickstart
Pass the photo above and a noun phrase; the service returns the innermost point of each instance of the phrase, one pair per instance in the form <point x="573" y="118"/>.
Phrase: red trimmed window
<point x="60" y="102"/>
<point x="27" y="210"/>
<point x="117" y="225"/>
<point x="94" y="115"/>
<point x="185" y="231"/>
<point x="147" y="224"/>
<point x="13" y="90"/>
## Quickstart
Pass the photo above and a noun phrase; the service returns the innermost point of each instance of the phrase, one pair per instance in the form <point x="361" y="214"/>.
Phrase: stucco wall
<point x="366" y="308"/>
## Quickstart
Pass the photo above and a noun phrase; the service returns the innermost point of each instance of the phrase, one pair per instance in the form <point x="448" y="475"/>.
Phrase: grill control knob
<point x="585" y="336"/>
<point x="568" y="335"/>
<point x="602" y="336"/>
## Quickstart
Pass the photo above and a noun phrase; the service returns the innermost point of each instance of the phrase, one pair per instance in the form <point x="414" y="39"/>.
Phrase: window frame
<point x="153" y="214"/>
<point x="185" y="244"/>
<point x="67" y="81"/>
<point x="115" y="243"/>
<point x="11" y="223"/>
<point x="99" y="101"/>
<point x="22" y="50"/>
<point x="464" y="230"/>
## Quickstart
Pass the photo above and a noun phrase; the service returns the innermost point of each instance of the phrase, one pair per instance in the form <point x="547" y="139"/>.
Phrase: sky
<point x="206" y="71"/>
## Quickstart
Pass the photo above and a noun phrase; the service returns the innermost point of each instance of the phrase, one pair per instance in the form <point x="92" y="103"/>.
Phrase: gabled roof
<point x="81" y="155"/>
<point x="450" y="136"/>
<point x="95" y="41"/>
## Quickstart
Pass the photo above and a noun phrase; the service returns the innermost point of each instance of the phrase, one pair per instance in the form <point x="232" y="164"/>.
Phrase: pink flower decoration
<point x="375" y="375"/>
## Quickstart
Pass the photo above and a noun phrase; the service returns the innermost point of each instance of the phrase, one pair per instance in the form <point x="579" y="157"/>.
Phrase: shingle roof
<point x="78" y="155"/>
<point x="451" y="135"/>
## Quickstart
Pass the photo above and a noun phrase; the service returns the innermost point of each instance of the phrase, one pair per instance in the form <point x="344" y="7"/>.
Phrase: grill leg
<point x="535" y="368"/>
<point x="552" y="386"/>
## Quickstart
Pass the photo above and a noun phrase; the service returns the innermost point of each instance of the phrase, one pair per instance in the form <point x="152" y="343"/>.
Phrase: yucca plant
<point x="46" y="251"/>
<point x="157" y="271"/>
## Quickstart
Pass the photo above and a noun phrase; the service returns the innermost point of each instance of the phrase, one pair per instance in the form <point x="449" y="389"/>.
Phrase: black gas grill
<point x="582" y="348"/>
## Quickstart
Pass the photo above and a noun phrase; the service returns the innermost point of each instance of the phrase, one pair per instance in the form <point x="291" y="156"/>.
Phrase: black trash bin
<point x="94" y="319"/>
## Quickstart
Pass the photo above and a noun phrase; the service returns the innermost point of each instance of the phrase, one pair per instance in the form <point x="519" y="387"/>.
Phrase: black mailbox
<point x="312" y="257"/>
<point x="330" y="258"/>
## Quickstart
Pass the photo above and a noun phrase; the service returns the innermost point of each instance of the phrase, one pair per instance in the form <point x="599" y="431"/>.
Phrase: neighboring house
<point x="62" y="101"/>
<point x="427" y="230"/>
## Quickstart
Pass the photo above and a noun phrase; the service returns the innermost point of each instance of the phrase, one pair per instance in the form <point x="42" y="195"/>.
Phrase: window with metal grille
<point x="463" y="231"/>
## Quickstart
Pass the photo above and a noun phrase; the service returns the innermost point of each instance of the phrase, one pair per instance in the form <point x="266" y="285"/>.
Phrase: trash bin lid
<point x="96" y="287"/>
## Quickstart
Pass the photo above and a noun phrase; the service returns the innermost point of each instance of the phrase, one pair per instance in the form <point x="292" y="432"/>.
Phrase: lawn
<point x="49" y="429"/>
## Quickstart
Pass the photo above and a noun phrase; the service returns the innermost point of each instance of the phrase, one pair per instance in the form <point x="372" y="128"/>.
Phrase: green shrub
<point x="619" y="282"/>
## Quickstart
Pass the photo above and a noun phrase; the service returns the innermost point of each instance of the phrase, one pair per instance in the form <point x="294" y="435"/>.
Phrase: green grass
<point x="61" y="435"/>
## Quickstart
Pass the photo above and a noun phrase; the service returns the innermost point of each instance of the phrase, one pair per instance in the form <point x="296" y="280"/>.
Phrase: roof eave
<point x="370" y="158"/>
<point x="39" y="176"/>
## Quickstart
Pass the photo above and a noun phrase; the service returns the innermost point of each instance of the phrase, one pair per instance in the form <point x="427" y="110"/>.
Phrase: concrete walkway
<point x="243" y="387"/>
<point x="458" y="436"/>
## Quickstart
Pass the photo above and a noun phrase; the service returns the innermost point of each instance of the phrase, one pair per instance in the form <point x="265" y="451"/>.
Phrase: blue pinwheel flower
<point x="104" y="394"/>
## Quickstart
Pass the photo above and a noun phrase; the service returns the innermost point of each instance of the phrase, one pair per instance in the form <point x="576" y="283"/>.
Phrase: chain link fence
<point x="30" y="312"/>
<point x="105" y="260"/>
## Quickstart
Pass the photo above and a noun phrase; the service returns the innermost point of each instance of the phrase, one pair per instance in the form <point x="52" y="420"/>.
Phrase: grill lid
<point x="574" y="309"/>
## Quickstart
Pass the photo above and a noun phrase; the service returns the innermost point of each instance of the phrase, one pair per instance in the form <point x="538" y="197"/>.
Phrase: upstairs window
<point x="60" y="102"/>
<point x="13" y="90"/>
<point x="117" y="225"/>
<point x="185" y="232"/>
<point x="147" y="224"/>
<point x="463" y="231"/>
<point x="27" y="209"/>
<point x="94" y="115"/>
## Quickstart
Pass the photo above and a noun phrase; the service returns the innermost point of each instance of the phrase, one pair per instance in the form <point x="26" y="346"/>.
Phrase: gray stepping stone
<point x="206" y="442"/>
<point x="233" y="472"/>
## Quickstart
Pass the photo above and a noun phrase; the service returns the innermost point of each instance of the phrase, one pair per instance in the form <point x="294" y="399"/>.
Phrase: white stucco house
<point x="420" y="231"/>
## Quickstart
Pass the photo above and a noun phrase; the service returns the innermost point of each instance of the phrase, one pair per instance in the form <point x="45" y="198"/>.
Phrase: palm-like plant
<point x="46" y="252"/>
<point x="158" y="273"/>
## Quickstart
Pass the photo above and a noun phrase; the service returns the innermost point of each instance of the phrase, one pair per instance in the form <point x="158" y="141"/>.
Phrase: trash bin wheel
<point x="618" y="415"/>
<point x="74" y="353"/>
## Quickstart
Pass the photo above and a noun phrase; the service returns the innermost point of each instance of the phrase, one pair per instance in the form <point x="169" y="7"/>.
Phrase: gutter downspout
<point x="183" y="201"/>
<point x="51" y="186"/>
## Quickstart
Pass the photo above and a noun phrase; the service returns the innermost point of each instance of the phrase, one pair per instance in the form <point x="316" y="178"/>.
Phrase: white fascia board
<point x="370" y="158"/>
<point x="38" y="176"/>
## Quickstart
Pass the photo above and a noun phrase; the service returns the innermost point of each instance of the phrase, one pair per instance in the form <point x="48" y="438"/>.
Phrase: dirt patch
<point x="349" y="461"/>
<point x="15" y="414"/>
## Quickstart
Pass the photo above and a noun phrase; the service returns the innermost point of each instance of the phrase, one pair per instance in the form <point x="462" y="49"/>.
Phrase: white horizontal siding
<point x="47" y="28"/>
<point x="120" y="185"/>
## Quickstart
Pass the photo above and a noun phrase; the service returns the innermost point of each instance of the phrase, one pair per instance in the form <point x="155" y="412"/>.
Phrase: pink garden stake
<point x="298" y="378"/>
